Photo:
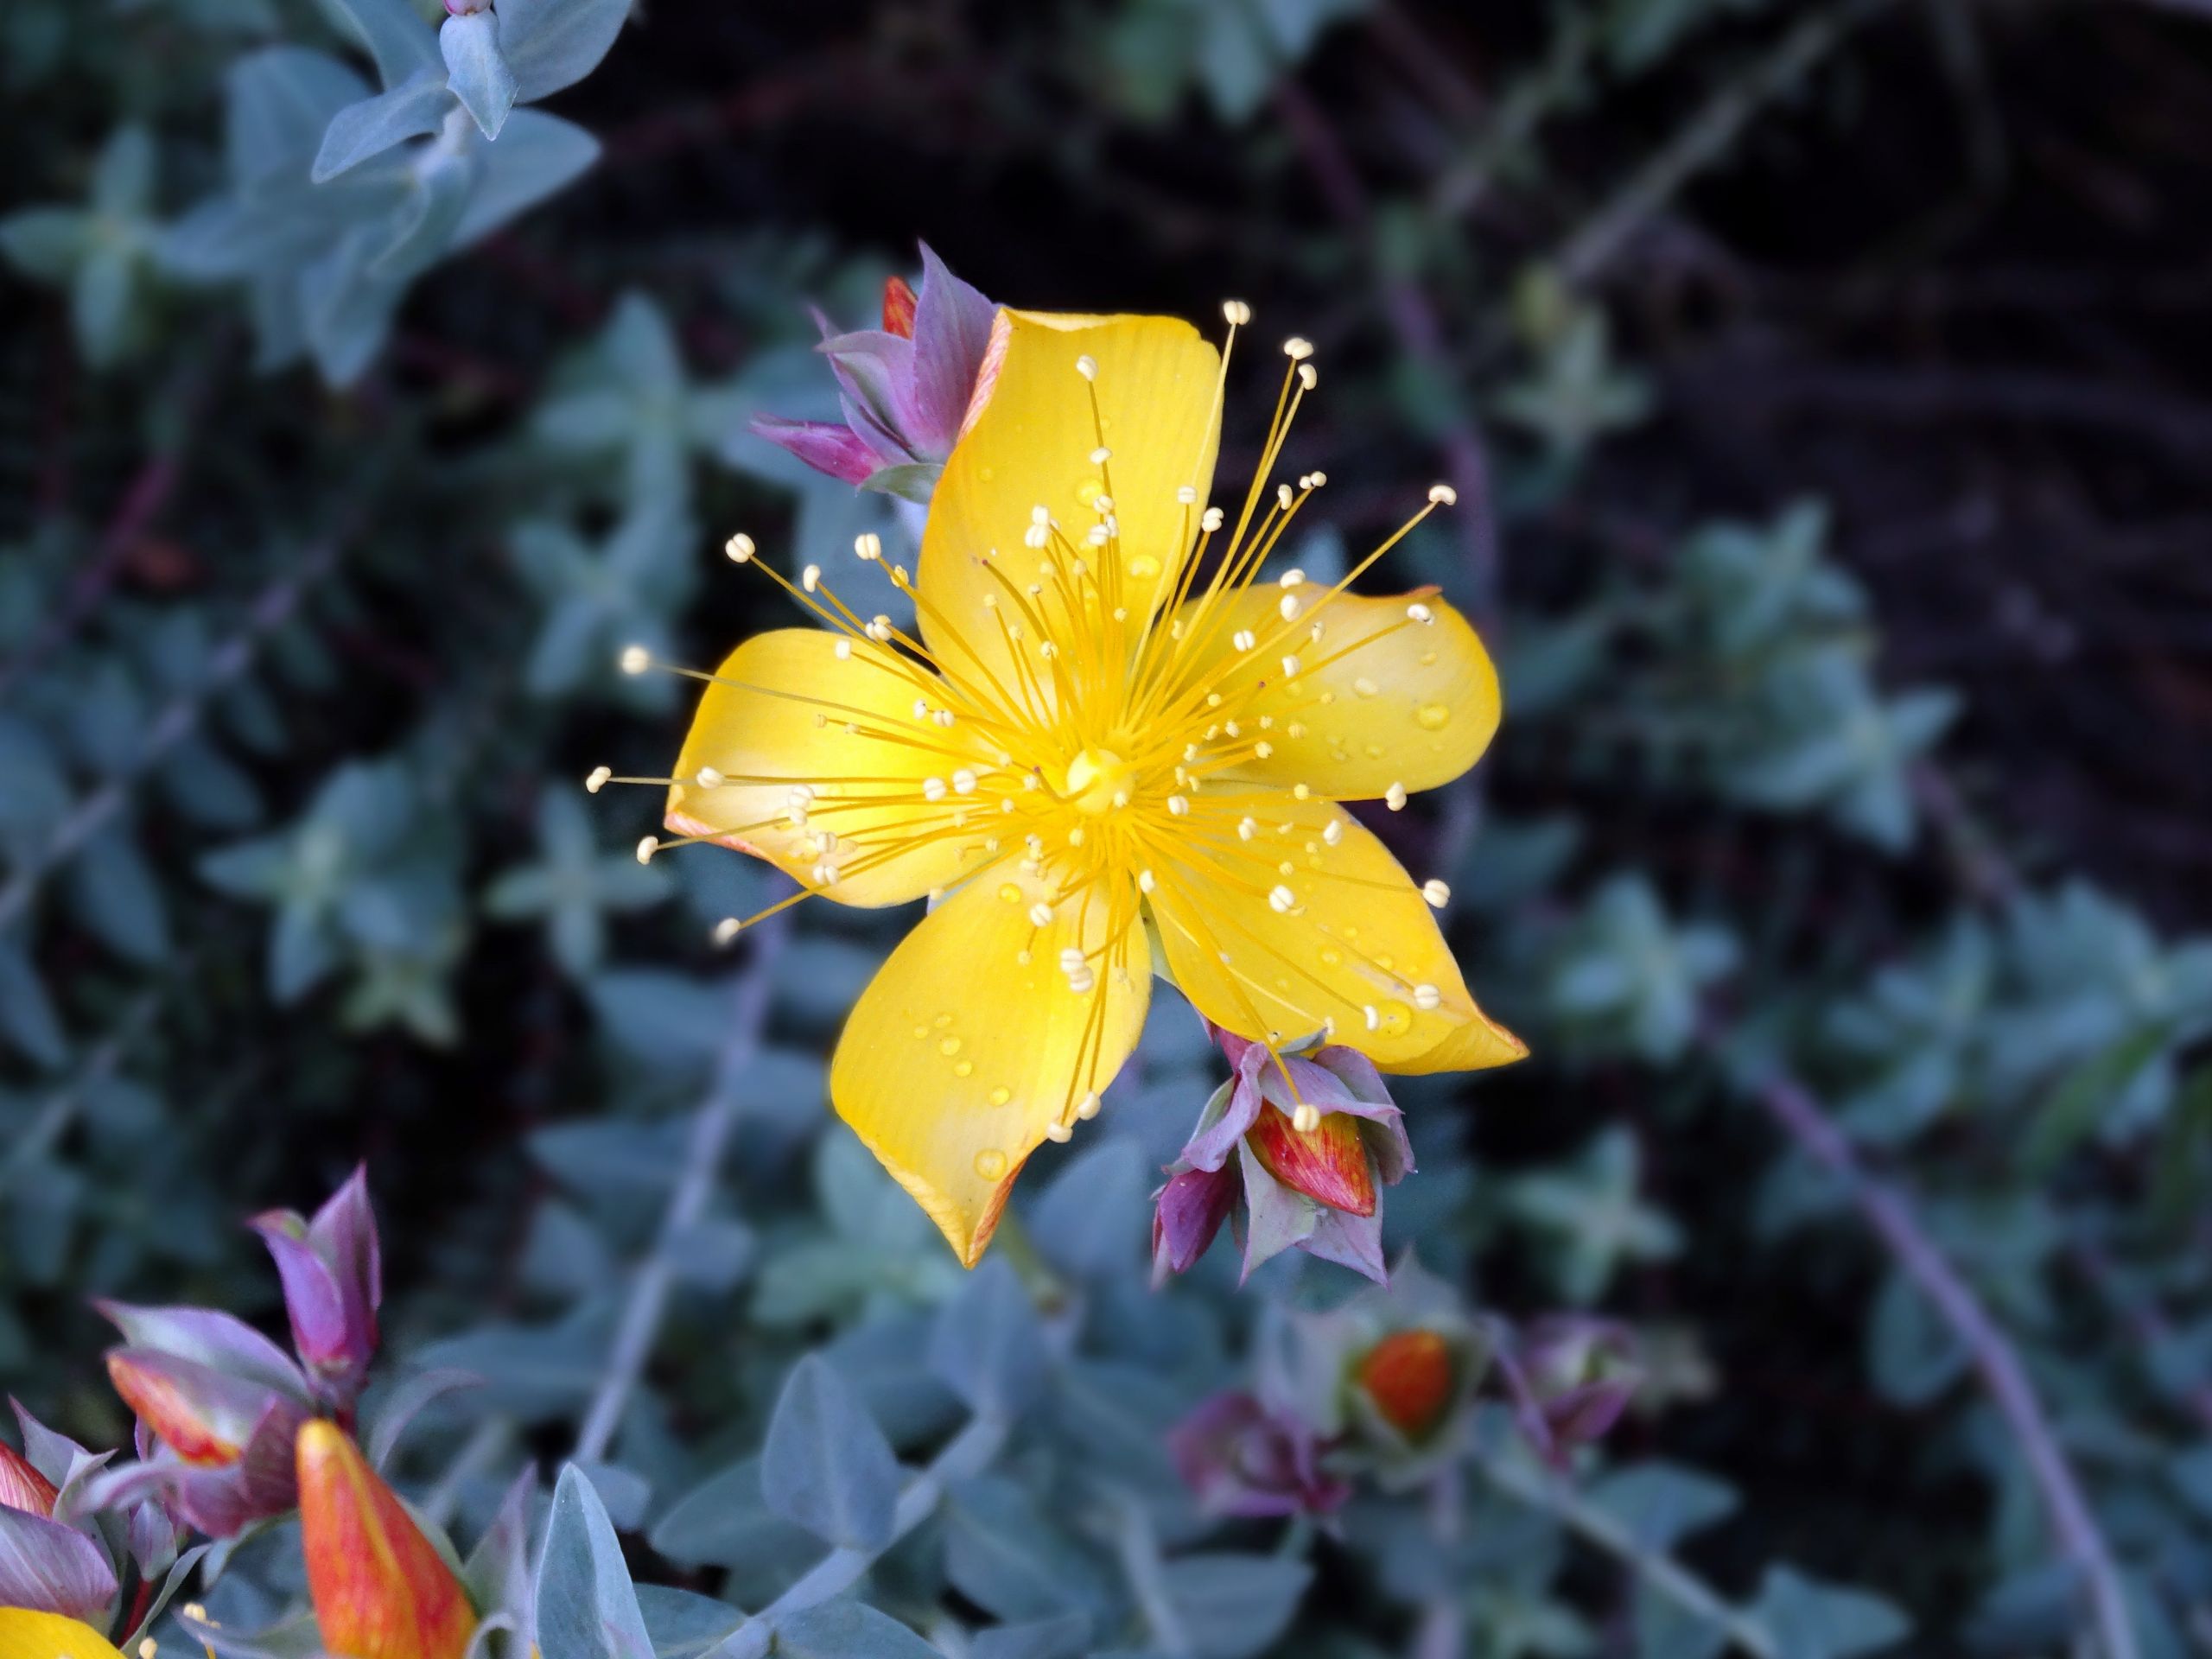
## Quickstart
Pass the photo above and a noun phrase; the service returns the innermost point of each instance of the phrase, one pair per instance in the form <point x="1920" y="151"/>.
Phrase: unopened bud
<point x="380" y="1589"/>
<point x="1409" y="1376"/>
<point x="1329" y="1163"/>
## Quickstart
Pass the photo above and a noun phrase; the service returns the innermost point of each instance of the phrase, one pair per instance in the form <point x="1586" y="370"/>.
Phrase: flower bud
<point x="22" y="1487"/>
<point x="201" y="1414"/>
<point x="380" y="1589"/>
<point x="897" y="308"/>
<point x="1238" y="1457"/>
<point x="1409" y="1377"/>
<point x="1329" y="1164"/>
<point x="333" y="1271"/>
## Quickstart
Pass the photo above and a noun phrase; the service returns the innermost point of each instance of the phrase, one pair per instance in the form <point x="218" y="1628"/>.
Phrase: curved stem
<point x="710" y="1131"/>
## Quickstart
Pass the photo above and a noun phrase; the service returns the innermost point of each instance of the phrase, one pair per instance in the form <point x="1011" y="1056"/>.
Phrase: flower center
<point x="1097" y="781"/>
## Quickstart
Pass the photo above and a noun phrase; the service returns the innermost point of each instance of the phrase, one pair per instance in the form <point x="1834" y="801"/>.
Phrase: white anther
<point x="1306" y="1119"/>
<point x="1101" y="455"/>
<point x="708" y="778"/>
<point x="1292" y="577"/>
<point x="1235" y="312"/>
<point x="868" y="545"/>
<point x="1333" y="831"/>
<point x="595" y="780"/>
<point x="1437" y="892"/>
<point x="1420" y="614"/>
<point x="1178" y="806"/>
<point x="636" y="660"/>
<point x="1087" y="366"/>
<point x="1040" y="914"/>
<point x="1035" y="536"/>
<point x="1244" y="639"/>
<point x="1443" y="494"/>
<point x="1282" y="497"/>
<point x="811" y="578"/>
<point x="1395" y="797"/>
<point x="1302" y="792"/>
<point x="843" y="650"/>
<point x="647" y="848"/>
<point x="1317" y="477"/>
<point x="1147" y="881"/>
<point x="1210" y="520"/>
<point x="1289" y="607"/>
<point x="1297" y="349"/>
<point x="932" y="789"/>
<point x="1262" y="750"/>
<point x="1087" y="1108"/>
<point x="1290" y="667"/>
<point x="1057" y="1131"/>
<point x="1104" y="507"/>
<point x="963" y="781"/>
<point x="1281" y="900"/>
<point x="1426" y="997"/>
<point x="1247" y="827"/>
<point x="943" y="717"/>
<point x="1368" y="1012"/>
<point x="1094" y="536"/>
<point x="1188" y="495"/>
<point x="739" y="548"/>
<point x="1308" y="376"/>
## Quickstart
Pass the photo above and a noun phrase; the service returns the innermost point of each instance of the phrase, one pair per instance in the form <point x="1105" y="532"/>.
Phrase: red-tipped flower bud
<point x="1329" y="1164"/>
<point x="189" y="1406"/>
<point x="380" y="1590"/>
<point x="22" y="1487"/>
<point x="1409" y="1376"/>
<point x="897" y="308"/>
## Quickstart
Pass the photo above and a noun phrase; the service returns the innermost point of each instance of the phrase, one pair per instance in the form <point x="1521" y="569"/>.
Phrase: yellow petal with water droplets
<point x="1380" y="698"/>
<point x="1028" y="442"/>
<point x="1313" y="930"/>
<point x="783" y="709"/>
<point x="970" y="1041"/>
<point x="28" y="1635"/>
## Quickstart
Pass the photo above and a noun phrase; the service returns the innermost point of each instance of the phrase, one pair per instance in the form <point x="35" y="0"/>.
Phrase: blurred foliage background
<point x="1823" y="388"/>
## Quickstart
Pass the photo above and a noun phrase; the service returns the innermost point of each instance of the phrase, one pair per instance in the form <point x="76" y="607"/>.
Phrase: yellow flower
<point x="1107" y="742"/>
<point x="28" y="1635"/>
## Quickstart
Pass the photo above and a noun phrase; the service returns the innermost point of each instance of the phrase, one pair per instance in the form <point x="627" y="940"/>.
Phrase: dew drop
<point x="991" y="1163"/>
<point x="1087" y="491"/>
<point x="1331" y="956"/>
<point x="1432" y="716"/>
<point x="1428" y="660"/>
<point x="963" y="1068"/>
<point x="942" y="1021"/>
<point x="1000" y="1095"/>
<point x="1011" y="893"/>
<point x="948" y="1046"/>
<point x="1375" y="750"/>
<point x="1366" y="687"/>
<point x="1396" y="1018"/>
<point x="1143" y="567"/>
<point x="921" y="1032"/>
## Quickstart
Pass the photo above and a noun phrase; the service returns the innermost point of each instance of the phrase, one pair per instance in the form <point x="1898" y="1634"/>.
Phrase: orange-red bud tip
<point x="1409" y="1376"/>
<point x="170" y="1412"/>
<point x="22" y="1487"/>
<point x="897" y="308"/>
<point x="1330" y="1166"/>
<point x="380" y="1590"/>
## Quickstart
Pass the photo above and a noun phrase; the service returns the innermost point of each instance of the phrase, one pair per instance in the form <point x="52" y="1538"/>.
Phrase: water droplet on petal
<point x="948" y="1046"/>
<point x="962" y="1068"/>
<point x="1011" y="893"/>
<point x="1432" y="716"/>
<point x="921" y="1032"/>
<point x="1331" y="956"/>
<point x="991" y="1163"/>
<point x="1000" y="1095"/>
<point x="942" y="1021"/>
<point x="1396" y="1018"/>
<point x="1143" y="567"/>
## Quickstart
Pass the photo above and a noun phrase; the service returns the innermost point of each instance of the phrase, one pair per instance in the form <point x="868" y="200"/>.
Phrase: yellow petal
<point x="1381" y="698"/>
<point x="28" y="1635"/>
<point x="961" y="1052"/>
<point x="1314" y="932"/>
<point x="1028" y="442"/>
<point x="780" y="716"/>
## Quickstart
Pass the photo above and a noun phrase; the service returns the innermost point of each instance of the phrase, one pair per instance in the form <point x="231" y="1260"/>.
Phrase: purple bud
<point x="824" y="445"/>
<point x="1190" y="1211"/>
<point x="1239" y="1457"/>
<point x="333" y="1272"/>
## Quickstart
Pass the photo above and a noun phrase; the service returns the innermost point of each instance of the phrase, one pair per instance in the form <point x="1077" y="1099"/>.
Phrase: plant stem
<point x="1895" y="1223"/>
<point x="1138" y="1546"/>
<point x="710" y="1131"/>
<point x="1666" y="1576"/>
<point x="967" y="1454"/>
